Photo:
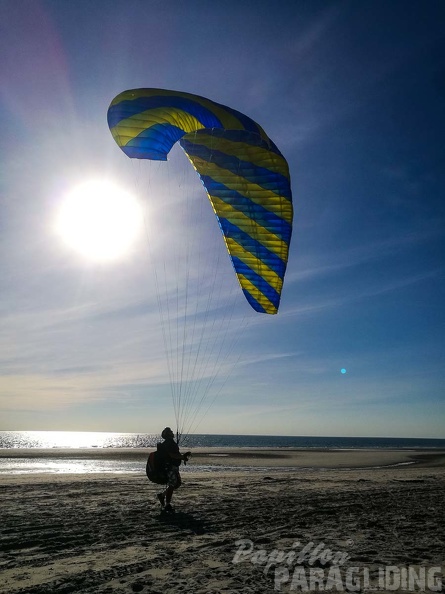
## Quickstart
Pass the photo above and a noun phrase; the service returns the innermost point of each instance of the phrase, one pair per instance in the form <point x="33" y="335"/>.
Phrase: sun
<point x="99" y="220"/>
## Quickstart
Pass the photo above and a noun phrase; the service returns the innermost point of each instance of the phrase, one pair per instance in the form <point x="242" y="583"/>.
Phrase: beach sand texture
<point x="104" y="533"/>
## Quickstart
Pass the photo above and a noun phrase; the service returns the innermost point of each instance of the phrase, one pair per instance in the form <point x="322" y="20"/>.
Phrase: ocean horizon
<point x="99" y="439"/>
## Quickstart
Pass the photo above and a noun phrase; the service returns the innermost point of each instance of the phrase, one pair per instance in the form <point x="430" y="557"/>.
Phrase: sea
<point x="75" y="440"/>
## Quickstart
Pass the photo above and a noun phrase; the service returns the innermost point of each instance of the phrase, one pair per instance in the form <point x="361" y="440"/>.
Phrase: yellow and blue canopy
<point x="245" y="175"/>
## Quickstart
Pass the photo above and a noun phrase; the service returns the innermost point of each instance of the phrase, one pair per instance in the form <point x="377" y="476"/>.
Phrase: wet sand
<point x="251" y="457"/>
<point x="104" y="533"/>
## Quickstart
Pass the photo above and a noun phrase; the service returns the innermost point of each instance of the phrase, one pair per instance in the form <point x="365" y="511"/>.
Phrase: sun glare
<point x="99" y="220"/>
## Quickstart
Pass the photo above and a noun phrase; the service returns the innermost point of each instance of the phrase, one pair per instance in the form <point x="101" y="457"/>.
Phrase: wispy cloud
<point x="357" y="294"/>
<point x="361" y="254"/>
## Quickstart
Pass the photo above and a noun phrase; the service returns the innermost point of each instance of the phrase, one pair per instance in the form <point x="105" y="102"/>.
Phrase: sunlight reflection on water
<point x="74" y="439"/>
<point x="87" y="466"/>
<point x="64" y="466"/>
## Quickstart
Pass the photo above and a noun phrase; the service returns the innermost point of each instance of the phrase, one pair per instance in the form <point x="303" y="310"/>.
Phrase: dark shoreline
<point x="257" y="457"/>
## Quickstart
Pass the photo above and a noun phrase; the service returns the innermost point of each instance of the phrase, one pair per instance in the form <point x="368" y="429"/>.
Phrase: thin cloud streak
<point x="360" y="294"/>
<point x="361" y="254"/>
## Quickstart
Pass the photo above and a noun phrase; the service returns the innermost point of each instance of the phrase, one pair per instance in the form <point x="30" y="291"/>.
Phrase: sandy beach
<point x="336" y="510"/>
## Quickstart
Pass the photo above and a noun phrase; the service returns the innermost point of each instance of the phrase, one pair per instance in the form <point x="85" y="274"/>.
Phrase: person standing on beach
<point x="171" y="460"/>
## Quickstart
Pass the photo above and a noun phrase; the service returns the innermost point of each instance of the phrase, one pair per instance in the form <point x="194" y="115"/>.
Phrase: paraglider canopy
<point x="245" y="176"/>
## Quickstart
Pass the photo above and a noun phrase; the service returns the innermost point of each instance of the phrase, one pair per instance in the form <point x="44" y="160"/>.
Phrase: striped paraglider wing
<point x="245" y="176"/>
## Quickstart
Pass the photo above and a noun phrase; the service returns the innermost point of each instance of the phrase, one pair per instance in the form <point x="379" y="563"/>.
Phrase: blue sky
<point x="353" y="93"/>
